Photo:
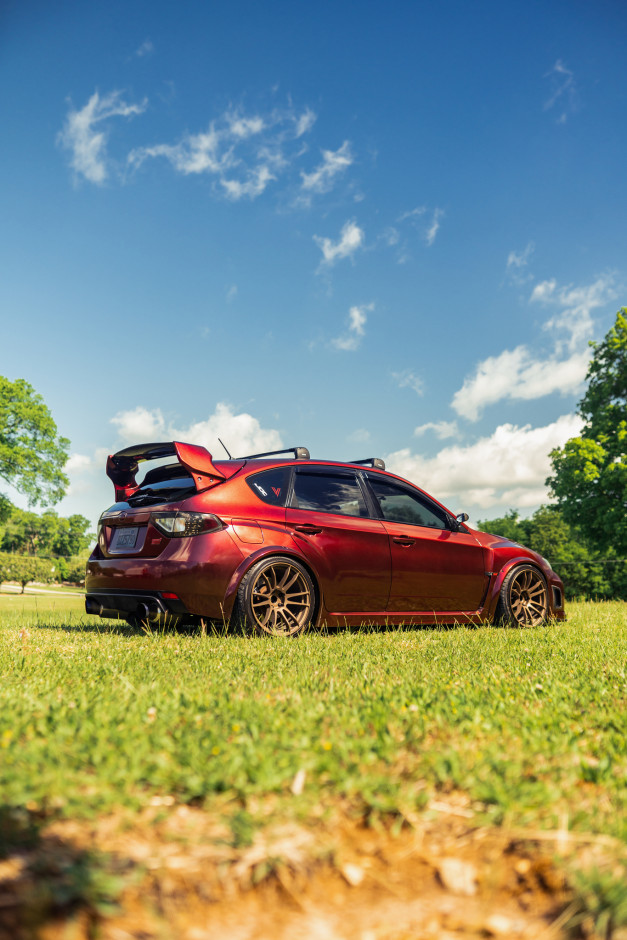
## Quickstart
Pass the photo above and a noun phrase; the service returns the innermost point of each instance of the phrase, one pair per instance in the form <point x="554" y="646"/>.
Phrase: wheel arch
<point x="270" y="551"/>
<point x="495" y="590"/>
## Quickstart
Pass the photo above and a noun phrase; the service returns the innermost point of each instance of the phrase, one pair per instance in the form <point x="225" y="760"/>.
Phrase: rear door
<point x="433" y="568"/>
<point x="329" y="519"/>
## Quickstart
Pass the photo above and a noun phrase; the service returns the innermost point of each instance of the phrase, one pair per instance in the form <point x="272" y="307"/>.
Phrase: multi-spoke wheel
<point x="277" y="595"/>
<point x="523" y="601"/>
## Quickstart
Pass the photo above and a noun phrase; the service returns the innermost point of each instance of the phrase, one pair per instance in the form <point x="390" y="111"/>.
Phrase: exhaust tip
<point x="147" y="612"/>
<point x="92" y="606"/>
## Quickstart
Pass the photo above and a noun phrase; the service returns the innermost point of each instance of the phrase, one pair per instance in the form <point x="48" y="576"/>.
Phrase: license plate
<point x="126" y="537"/>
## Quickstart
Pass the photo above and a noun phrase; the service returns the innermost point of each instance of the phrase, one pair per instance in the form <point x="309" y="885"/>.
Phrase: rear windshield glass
<point x="163" y="491"/>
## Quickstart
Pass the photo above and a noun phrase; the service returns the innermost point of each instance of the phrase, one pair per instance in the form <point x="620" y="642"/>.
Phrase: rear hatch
<point x="128" y="527"/>
<point x="125" y="528"/>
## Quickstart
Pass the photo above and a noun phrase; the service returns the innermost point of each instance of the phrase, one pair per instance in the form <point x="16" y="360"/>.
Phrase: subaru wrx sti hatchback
<point x="277" y="544"/>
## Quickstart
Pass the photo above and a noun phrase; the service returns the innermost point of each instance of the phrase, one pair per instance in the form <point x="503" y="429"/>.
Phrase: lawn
<point x="520" y="729"/>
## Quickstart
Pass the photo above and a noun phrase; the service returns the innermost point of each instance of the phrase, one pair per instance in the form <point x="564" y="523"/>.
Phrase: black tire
<point x="524" y="598"/>
<point x="276" y="596"/>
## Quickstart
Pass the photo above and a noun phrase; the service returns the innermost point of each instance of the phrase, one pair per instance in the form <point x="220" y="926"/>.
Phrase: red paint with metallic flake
<point x="179" y="542"/>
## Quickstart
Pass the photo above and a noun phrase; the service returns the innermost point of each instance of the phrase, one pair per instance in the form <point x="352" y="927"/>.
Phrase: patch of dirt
<point x="174" y="874"/>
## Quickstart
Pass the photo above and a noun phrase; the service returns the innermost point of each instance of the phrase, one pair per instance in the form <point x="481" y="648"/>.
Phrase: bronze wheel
<point x="277" y="596"/>
<point x="523" y="601"/>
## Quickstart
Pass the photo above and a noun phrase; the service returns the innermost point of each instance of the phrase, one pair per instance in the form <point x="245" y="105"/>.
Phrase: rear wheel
<point x="523" y="601"/>
<point x="276" y="596"/>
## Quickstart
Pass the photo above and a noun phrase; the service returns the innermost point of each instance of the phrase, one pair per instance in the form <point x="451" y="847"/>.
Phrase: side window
<point x="271" y="485"/>
<point x="400" y="505"/>
<point x="329" y="492"/>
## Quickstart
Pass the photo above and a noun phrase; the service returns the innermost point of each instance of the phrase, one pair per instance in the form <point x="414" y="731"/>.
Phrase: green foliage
<point x="26" y="568"/>
<point x="585" y="572"/>
<point x="32" y="455"/>
<point x="46" y="534"/>
<point x="590" y="472"/>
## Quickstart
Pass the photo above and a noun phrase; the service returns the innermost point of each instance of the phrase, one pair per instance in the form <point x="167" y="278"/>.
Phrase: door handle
<point x="403" y="540"/>
<point x="308" y="529"/>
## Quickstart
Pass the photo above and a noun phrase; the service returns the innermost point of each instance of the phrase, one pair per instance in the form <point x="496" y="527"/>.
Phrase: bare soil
<point x="175" y="873"/>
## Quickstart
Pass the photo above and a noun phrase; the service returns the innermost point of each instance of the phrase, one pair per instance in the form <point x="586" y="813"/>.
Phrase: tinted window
<point x="400" y="505"/>
<point x="329" y="492"/>
<point x="271" y="485"/>
<point x="163" y="491"/>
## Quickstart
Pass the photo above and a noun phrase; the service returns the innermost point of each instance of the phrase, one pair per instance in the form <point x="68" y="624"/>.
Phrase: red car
<point x="278" y="544"/>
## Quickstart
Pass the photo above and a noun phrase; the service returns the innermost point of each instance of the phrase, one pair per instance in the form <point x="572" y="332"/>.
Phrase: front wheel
<point x="523" y="601"/>
<point x="277" y="596"/>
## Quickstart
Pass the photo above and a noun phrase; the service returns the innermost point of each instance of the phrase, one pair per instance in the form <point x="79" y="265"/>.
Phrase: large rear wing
<point x="122" y="467"/>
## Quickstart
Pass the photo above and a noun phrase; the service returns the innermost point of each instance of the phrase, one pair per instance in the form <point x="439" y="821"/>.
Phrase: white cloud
<point x="88" y="146"/>
<point x="520" y="374"/>
<point x="140" y="425"/>
<point x="231" y="293"/>
<point x="333" y="162"/>
<point x="357" y="317"/>
<point x="441" y="429"/>
<point x="305" y="122"/>
<point x="350" y="240"/>
<point x="412" y="214"/>
<point x="577" y="303"/>
<point x="244" y="152"/>
<point x="242" y="433"/>
<point x="408" y="379"/>
<point x="564" y="93"/>
<point x="253" y="186"/>
<point x="434" y="228"/>
<point x="77" y="463"/>
<point x="508" y="468"/>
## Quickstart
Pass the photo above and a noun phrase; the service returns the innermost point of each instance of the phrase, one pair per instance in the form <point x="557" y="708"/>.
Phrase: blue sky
<point x="372" y="229"/>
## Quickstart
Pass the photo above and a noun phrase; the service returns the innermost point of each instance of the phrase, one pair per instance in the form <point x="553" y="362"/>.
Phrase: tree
<point x="590" y="472"/>
<point x="24" y="569"/>
<point x="27" y="533"/>
<point x="32" y="454"/>
<point x="584" y="572"/>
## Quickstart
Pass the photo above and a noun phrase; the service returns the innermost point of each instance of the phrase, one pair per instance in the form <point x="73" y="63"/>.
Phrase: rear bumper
<point x="143" y="606"/>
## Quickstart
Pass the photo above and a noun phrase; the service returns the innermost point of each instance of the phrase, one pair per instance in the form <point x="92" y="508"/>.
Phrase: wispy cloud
<point x="517" y="265"/>
<point x="351" y="339"/>
<point x="351" y="240"/>
<point x="85" y="133"/>
<point x="408" y="379"/>
<point x="521" y="374"/>
<point x="441" y="429"/>
<point x="333" y="163"/>
<point x="564" y="93"/>
<point x="434" y="227"/>
<point x="244" y="152"/>
<point x="146" y="48"/>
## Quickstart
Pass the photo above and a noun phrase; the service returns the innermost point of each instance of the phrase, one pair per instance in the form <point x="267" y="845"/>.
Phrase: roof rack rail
<point x="300" y="453"/>
<point x="372" y="461"/>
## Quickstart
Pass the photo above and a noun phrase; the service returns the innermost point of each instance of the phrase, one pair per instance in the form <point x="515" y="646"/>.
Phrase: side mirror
<point x="459" y="520"/>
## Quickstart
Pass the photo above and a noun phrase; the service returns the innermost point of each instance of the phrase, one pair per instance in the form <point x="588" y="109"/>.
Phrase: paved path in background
<point x="17" y="589"/>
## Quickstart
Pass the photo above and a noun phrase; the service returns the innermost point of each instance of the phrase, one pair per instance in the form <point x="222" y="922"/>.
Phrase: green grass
<point x="530" y="724"/>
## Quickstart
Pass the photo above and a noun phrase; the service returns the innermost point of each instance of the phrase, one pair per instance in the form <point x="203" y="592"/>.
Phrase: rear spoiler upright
<point x="122" y="466"/>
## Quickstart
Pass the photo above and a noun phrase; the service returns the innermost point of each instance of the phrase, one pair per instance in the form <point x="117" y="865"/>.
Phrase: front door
<point x="434" y="569"/>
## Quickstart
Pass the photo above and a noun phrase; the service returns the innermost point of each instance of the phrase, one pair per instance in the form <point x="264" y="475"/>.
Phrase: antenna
<point x="226" y="449"/>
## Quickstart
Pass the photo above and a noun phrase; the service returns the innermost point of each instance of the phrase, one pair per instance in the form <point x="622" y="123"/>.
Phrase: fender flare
<point x="266" y="552"/>
<point x="494" y="591"/>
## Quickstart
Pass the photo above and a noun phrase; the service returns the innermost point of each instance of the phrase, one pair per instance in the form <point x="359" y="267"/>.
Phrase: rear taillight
<point x="181" y="524"/>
